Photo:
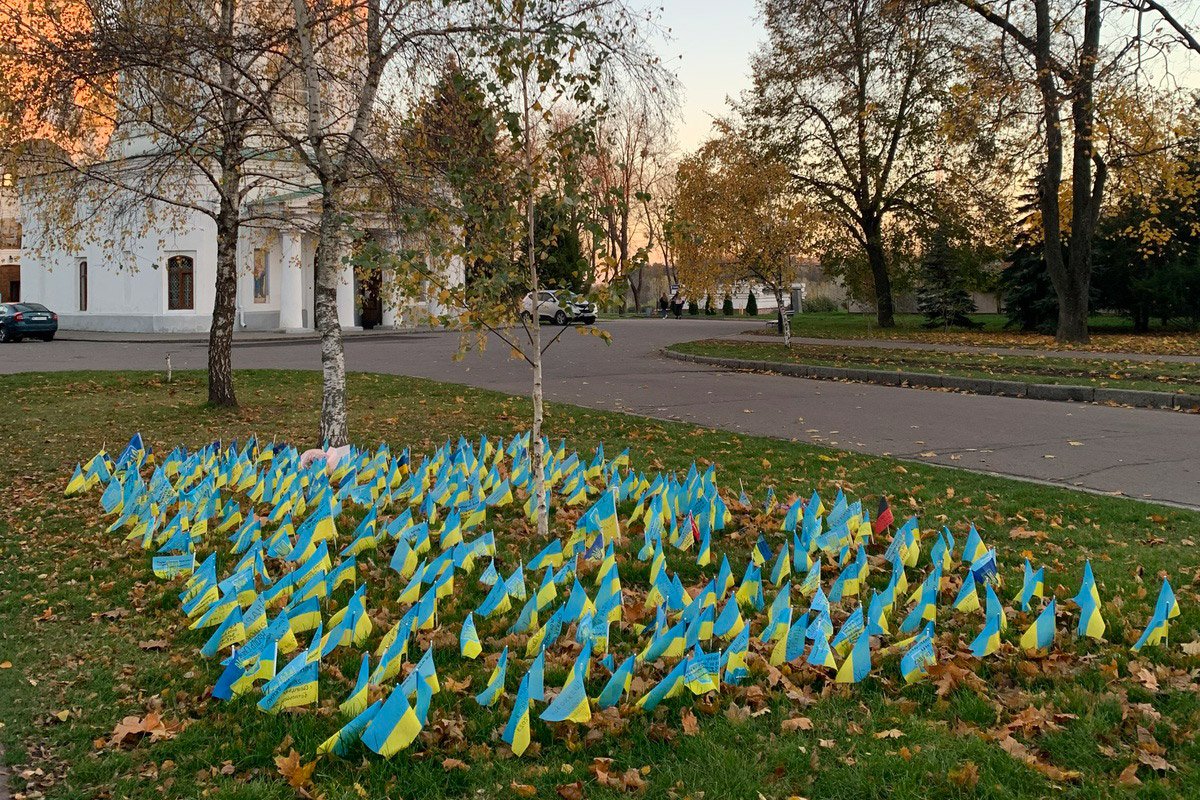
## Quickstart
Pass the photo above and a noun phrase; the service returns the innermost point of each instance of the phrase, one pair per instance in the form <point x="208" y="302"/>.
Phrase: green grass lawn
<point x="1109" y="334"/>
<point x="1159" y="376"/>
<point x="90" y="636"/>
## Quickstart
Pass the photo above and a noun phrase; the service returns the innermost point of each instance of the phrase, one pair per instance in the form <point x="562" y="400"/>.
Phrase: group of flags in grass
<point x="283" y="518"/>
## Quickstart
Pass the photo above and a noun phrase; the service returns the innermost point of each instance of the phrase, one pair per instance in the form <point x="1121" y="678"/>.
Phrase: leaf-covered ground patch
<point x="93" y="639"/>
<point x="1155" y="376"/>
<point x="1108" y="334"/>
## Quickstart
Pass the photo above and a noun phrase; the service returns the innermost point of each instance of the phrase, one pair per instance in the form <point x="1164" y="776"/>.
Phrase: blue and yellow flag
<point x="779" y="616"/>
<point x="495" y="685"/>
<point x="496" y="602"/>
<point x="968" y="598"/>
<point x="617" y="685"/>
<point x="703" y="672"/>
<point x="571" y="703"/>
<point x="736" y="667"/>
<point x="357" y="701"/>
<point x="994" y="607"/>
<point x="783" y="565"/>
<point x="516" y="731"/>
<point x="340" y="743"/>
<point x="974" y="549"/>
<point x="1033" y="585"/>
<point x="926" y="607"/>
<point x="1091" y="622"/>
<point x="669" y="686"/>
<point x="1040" y="635"/>
<point x="468" y="640"/>
<point x="790" y="648"/>
<point x="394" y="726"/>
<point x="1166" y="605"/>
<point x="75" y="485"/>
<point x="295" y="685"/>
<point x="988" y="640"/>
<point x="850" y="632"/>
<point x="858" y="664"/>
<point x="606" y="516"/>
<point x="914" y="664"/>
<point x="537" y="678"/>
<point x="1157" y="629"/>
<point x="877" y="614"/>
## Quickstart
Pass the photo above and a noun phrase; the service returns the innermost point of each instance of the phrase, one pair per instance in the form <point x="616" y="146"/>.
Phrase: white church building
<point x="110" y="259"/>
<point x="158" y="274"/>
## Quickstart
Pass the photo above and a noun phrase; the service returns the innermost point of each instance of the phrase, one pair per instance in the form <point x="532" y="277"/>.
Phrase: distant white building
<point x="133" y="264"/>
<point x="158" y="274"/>
<point x="163" y="279"/>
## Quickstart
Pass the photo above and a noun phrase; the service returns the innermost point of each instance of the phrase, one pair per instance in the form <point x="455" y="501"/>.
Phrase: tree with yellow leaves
<point x="736" y="219"/>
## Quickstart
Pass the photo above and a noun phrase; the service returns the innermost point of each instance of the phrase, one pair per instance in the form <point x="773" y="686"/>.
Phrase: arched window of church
<point x="180" y="283"/>
<point x="83" y="285"/>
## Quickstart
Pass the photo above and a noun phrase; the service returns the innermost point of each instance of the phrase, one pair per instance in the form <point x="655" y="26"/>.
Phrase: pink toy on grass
<point x="331" y="457"/>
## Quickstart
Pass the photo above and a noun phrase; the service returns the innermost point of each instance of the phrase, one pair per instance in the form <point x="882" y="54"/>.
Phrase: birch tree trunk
<point x="537" y="453"/>
<point x="334" y="428"/>
<point x="220" y="334"/>
<point x="332" y="167"/>
<point x="785" y="327"/>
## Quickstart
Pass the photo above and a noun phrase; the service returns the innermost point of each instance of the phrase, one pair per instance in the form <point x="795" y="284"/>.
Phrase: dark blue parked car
<point x="18" y="320"/>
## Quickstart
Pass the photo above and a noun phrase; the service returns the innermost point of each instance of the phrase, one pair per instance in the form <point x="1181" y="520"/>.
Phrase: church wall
<point x="126" y="274"/>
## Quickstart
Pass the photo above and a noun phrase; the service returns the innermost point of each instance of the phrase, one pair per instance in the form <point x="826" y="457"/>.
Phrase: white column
<point x="345" y="296"/>
<point x="291" y="289"/>
<point x="388" y="290"/>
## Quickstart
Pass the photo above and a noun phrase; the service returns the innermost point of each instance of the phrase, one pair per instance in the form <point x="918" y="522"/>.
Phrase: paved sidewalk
<point x="239" y="337"/>
<point x="1141" y="453"/>
<point x="716" y="328"/>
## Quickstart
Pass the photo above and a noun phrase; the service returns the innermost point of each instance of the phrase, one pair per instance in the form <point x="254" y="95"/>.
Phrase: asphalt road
<point x="1141" y="453"/>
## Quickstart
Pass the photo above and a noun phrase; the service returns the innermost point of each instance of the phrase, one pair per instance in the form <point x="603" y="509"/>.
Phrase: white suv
<point x="560" y="307"/>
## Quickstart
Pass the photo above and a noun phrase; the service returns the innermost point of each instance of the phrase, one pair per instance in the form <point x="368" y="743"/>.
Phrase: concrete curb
<point x="239" y="340"/>
<point x="985" y="386"/>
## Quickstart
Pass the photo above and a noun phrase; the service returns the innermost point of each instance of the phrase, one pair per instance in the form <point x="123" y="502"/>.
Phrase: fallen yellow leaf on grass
<point x="296" y="774"/>
<point x="571" y="791"/>
<point x="523" y="789"/>
<point x="737" y="714"/>
<point x="965" y="776"/>
<point x="1128" y="776"/>
<point x="132" y="730"/>
<point x="797" y="724"/>
<point x="1024" y="755"/>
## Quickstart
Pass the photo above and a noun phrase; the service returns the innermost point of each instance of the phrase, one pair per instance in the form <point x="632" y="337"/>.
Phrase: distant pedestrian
<point x="663" y="305"/>
<point x="677" y="305"/>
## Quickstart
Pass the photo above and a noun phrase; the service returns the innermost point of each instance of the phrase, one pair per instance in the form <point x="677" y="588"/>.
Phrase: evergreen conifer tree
<point x="943" y="297"/>
<point x="1029" y="298"/>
